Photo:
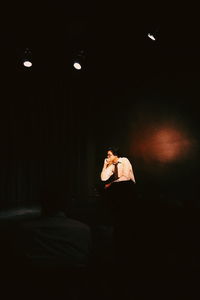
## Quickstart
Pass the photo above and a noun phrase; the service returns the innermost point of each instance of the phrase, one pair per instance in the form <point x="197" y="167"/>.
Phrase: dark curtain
<point x="44" y="134"/>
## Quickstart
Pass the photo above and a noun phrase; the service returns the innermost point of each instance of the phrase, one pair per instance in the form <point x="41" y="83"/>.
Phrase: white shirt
<point x="125" y="170"/>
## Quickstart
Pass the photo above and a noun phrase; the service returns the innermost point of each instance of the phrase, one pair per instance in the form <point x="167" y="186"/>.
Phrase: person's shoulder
<point x="123" y="159"/>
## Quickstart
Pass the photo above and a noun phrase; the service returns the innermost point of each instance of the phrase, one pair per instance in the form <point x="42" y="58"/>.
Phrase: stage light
<point x="27" y="58"/>
<point x="77" y="65"/>
<point x="151" y="36"/>
<point x="27" y="64"/>
<point x="79" y="60"/>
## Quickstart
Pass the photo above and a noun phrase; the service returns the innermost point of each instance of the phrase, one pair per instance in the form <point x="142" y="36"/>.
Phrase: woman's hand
<point x="107" y="162"/>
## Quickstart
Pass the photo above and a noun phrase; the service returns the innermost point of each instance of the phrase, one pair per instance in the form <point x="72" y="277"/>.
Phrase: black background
<point x="56" y="121"/>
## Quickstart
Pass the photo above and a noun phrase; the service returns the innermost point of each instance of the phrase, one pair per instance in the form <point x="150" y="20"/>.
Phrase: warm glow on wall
<point x="165" y="143"/>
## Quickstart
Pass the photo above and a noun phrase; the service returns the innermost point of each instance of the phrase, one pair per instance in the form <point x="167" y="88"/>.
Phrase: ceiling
<point x="113" y="38"/>
<point x="119" y="57"/>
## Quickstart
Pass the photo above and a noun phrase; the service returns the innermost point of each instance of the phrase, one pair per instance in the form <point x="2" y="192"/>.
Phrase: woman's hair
<point x="114" y="150"/>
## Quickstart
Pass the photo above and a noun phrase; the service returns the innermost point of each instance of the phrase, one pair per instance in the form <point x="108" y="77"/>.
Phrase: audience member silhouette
<point x="53" y="238"/>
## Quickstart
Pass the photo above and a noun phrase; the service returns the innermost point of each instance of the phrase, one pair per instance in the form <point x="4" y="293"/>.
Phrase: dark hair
<point x="114" y="150"/>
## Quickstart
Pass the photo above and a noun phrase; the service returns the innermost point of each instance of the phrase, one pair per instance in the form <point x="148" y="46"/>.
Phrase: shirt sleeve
<point x="106" y="173"/>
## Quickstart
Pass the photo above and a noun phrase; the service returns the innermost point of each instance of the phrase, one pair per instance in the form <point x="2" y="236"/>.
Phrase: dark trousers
<point x="120" y="200"/>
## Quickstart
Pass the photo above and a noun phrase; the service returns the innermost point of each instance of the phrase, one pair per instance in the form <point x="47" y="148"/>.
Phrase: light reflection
<point x="163" y="144"/>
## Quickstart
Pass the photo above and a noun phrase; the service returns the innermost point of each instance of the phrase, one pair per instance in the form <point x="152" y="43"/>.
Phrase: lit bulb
<point x="77" y="66"/>
<point x="151" y="36"/>
<point x="27" y="63"/>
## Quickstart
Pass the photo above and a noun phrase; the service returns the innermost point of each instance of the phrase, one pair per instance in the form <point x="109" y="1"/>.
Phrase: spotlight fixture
<point x="77" y="65"/>
<point x="27" y="61"/>
<point x="79" y="60"/>
<point x="27" y="64"/>
<point x="153" y="35"/>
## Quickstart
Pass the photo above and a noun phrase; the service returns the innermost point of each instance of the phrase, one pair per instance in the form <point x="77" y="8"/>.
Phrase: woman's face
<point x="110" y="156"/>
